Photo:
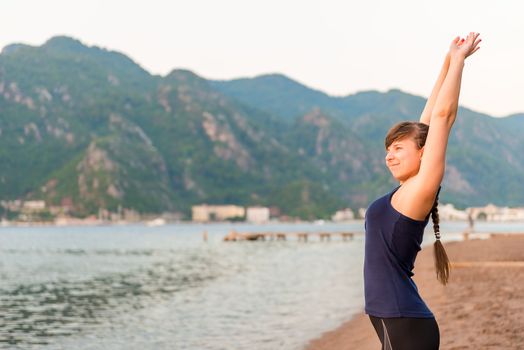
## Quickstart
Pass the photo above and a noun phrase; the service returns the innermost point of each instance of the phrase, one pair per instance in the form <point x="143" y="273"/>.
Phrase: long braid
<point x="442" y="265"/>
<point x="419" y="133"/>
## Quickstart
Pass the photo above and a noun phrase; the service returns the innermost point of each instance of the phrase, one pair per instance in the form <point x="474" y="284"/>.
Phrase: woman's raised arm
<point x="443" y="116"/>
<point x="428" y="108"/>
<point x="418" y="193"/>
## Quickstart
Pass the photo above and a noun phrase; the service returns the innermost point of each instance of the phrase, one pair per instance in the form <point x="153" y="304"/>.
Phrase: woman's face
<point x="403" y="158"/>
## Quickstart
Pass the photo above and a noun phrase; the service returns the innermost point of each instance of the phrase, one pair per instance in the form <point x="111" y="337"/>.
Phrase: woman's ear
<point x="421" y="152"/>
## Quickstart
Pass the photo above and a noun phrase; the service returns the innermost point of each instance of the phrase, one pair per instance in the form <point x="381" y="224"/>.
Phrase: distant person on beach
<point x="415" y="156"/>
<point x="471" y="223"/>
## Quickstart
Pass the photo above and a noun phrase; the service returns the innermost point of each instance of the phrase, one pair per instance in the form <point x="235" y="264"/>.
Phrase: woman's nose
<point x="389" y="156"/>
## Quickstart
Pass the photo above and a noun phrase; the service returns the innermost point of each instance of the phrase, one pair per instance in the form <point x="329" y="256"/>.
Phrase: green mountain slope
<point x="89" y="128"/>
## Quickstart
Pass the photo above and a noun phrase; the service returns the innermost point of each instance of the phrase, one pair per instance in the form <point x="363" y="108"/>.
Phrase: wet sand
<point x="482" y="307"/>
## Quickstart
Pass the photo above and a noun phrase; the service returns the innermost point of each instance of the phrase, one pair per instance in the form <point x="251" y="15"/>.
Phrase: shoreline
<point x="96" y="222"/>
<point x="480" y="308"/>
<point x="64" y="222"/>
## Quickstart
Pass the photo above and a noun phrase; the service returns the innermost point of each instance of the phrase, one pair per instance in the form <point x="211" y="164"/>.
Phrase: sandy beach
<point x="482" y="307"/>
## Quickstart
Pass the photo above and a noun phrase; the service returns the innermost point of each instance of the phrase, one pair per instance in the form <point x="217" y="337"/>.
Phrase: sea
<point x="165" y="287"/>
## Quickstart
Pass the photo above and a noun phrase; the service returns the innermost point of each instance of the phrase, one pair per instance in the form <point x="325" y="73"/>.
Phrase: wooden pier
<point x="234" y="236"/>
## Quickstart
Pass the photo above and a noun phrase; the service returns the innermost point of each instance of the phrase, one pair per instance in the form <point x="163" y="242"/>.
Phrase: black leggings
<point x="406" y="333"/>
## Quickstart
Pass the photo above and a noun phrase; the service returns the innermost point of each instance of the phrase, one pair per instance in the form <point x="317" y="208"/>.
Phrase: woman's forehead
<point x="402" y="141"/>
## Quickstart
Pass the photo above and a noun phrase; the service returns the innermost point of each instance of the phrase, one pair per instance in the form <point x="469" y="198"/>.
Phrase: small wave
<point x="35" y="313"/>
<point x="87" y="252"/>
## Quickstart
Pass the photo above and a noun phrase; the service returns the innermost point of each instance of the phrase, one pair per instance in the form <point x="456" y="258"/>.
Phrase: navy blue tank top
<point x="392" y="243"/>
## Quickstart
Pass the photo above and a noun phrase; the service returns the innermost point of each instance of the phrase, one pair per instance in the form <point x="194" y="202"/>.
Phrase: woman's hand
<point x="463" y="48"/>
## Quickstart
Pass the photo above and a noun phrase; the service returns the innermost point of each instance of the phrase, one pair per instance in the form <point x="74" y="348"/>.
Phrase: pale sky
<point x="336" y="46"/>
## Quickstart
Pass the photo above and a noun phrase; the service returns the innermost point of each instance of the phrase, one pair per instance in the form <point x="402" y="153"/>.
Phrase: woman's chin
<point x="400" y="178"/>
<point x="395" y="175"/>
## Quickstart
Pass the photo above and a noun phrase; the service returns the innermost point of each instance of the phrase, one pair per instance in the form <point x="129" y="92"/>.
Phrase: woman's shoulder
<point x="414" y="201"/>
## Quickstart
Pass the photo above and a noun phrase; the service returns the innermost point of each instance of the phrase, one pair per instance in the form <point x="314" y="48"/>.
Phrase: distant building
<point x="15" y="205"/>
<point x="510" y="214"/>
<point x="493" y="213"/>
<point x="33" y="206"/>
<point x="449" y="212"/>
<point x="343" y="215"/>
<point x="361" y="213"/>
<point x="205" y="213"/>
<point x="257" y="214"/>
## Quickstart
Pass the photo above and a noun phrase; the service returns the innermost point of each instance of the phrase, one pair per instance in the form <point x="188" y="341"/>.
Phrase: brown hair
<point x="419" y="132"/>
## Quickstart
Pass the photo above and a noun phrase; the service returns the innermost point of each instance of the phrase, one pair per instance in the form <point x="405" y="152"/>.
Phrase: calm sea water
<point x="137" y="287"/>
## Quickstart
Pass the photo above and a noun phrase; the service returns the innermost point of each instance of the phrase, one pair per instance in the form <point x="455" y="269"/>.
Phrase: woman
<point x="395" y="222"/>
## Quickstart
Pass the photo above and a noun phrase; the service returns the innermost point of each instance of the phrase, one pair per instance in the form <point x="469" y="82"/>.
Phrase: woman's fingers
<point x="476" y="42"/>
<point x="458" y="42"/>
<point x="474" y="46"/>
<point x="477" y="39"/>
<point x="470" y="39"/>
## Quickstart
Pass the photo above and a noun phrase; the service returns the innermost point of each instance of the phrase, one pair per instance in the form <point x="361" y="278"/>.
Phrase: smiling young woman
<point x="415" y="156"/>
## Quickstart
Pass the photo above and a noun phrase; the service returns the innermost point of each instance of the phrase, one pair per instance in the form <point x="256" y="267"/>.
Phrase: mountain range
<point x="88" y="128"/>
